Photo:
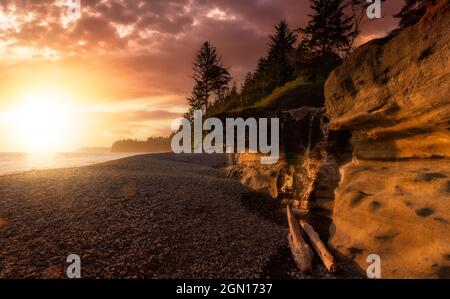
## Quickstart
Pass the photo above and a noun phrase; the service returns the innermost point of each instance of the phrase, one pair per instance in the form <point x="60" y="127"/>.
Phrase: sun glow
<point x="42" y="121"/>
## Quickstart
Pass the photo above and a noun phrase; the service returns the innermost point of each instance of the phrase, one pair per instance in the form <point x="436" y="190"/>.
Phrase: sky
<point x="122" y="69"/>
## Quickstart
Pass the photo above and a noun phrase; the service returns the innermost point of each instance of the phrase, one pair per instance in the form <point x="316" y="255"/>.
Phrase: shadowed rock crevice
<point x="425" y="212"/>
<point x="428" y="177"/>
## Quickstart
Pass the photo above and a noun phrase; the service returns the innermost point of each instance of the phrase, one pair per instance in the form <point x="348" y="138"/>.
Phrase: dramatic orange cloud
<point x="127" y="64"/>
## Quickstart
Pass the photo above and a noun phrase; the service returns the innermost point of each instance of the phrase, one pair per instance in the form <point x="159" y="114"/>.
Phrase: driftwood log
<point x="319" y="246"/>
<point x="301" y="251"/>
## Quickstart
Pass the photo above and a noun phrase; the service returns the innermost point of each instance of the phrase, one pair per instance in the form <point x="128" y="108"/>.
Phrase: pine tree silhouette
<point x="327" y="35"/>
<point x="210" y="76"/>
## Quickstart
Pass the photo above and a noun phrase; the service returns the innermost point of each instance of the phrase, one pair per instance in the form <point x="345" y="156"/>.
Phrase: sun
<point x="42" y="121"/>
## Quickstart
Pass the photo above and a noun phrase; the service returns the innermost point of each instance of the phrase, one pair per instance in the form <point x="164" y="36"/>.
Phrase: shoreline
<point x="146" y="216"/>
<point x="87" y="164"/>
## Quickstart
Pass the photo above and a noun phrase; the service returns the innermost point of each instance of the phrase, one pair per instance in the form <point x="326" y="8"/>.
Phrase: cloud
<point x="161" y="36"/>
<point x="123" y="50"/>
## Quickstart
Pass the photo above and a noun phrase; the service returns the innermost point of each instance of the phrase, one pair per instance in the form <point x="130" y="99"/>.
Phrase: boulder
<point x="247" y="169"/>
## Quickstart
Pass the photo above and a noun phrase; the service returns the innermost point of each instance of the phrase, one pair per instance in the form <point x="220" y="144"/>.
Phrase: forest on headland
<point x="296" y="65"/>
<point x="297" y="61"/>
<point x="151" y="145"/>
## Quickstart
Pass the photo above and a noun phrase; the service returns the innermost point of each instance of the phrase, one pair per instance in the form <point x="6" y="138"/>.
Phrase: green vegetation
<point x="292" y="72"/>
<point x="294" y="94"/>
<point x="278" y="93"/>
<point x="294" y="69"/>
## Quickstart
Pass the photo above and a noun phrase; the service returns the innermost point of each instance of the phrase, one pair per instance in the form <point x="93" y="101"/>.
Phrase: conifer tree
<point x="274" y="69"/>
<point x="281" y="47"/>
<point x="327" y="35"/>
<point x="210" y="76"/>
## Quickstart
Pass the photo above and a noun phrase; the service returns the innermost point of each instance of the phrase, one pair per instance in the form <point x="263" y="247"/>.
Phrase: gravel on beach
<point x="149" y="216"/>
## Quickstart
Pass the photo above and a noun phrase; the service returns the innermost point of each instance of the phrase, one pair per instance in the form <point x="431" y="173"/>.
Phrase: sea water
<point x="11" y="163"/>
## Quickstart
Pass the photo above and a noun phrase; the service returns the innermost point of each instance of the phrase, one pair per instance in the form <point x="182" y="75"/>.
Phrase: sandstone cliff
<point x="393" y="199"/>
<point x="376" y="162"/>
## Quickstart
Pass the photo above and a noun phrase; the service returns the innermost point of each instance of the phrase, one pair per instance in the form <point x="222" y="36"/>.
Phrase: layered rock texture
<point x="393" y="199"/>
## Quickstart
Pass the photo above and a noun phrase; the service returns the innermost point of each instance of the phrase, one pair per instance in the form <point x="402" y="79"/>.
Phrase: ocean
<point x="11" y="163"/>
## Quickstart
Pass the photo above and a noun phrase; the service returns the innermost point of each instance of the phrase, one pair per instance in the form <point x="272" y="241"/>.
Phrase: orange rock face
<point x="394" y="197"/>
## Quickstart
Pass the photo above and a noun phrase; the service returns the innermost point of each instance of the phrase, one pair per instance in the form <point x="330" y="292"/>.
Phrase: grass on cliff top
<point x="294" y="94"/>
<point x="288" y="89"/>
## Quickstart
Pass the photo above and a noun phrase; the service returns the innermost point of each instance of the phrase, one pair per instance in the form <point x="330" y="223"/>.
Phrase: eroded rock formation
<point x="303" y="166"/>
<point x="394" y="197"/>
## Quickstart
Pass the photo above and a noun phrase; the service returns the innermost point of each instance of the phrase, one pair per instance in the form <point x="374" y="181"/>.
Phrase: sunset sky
<point x="123" y="68"/>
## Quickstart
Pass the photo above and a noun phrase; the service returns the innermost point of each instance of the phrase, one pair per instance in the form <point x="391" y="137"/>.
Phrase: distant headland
<point x="151" y="145"/>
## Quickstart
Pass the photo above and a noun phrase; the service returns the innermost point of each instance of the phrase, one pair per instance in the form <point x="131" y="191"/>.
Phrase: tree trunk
<point x="301" y="251"/>
<point x="319" y="246"/>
